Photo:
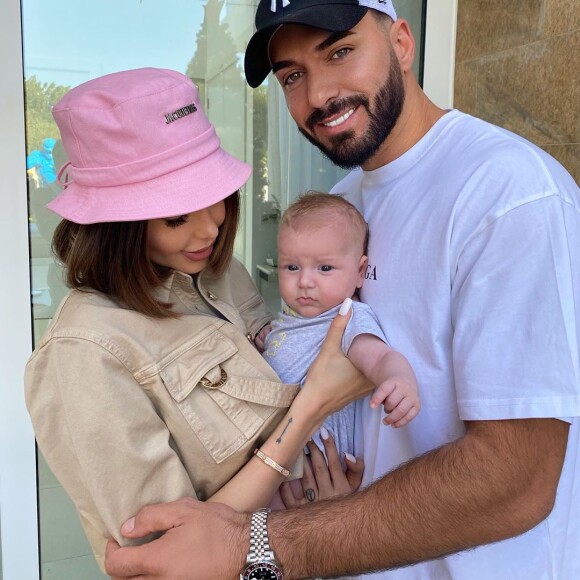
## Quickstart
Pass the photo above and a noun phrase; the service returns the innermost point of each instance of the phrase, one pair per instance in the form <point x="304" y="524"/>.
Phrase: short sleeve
<point x="363" y="321"/>
<point x="516" y="315"/>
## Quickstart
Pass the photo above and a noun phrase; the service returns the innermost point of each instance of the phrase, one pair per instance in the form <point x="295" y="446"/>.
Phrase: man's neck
<point x="418" y="116"/>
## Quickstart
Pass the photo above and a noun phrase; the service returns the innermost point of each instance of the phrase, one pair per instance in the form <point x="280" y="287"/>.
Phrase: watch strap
<point x="259" y="543"/>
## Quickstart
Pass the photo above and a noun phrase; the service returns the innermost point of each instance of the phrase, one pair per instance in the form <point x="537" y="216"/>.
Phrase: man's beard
<point x="346" y="150"/>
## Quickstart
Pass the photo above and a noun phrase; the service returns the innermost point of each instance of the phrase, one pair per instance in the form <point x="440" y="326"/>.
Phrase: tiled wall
<point x="518" y="66"/>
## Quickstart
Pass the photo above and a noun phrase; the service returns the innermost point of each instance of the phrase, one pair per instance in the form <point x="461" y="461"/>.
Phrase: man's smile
<point x="340" y="120"/>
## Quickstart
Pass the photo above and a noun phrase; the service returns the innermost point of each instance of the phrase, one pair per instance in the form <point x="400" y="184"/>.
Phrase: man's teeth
<point x="340" y="120"/>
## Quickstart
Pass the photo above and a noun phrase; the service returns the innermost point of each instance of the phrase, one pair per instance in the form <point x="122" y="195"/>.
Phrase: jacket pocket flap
<point x="260" y="391"/>
<point x="221" y="393"/>
<point x="194" y="361"/>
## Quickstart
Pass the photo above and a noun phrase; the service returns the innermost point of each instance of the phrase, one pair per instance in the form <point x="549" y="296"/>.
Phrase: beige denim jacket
<point x="129" y="410"/>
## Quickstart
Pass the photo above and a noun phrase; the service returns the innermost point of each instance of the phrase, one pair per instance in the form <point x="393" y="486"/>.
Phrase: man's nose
<point x="322" y="88"/>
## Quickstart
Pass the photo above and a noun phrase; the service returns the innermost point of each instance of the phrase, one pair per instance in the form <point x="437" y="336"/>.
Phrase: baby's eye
<point x="176" y="222"/>
<point x="325" y="268"/>
<point x="292" y="267"/>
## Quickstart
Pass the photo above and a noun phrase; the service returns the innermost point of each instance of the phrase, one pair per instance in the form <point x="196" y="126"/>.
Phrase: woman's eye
<point x="176" y="222"/>
<point x="325" y="268"/>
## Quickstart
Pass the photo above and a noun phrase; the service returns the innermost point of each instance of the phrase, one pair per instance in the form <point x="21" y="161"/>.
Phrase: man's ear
<point x="362" y="269"/>
<point x="403" y="43"/>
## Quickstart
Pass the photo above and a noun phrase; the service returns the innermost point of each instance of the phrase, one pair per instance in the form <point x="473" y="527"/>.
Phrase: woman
<point x="145" y="387"/>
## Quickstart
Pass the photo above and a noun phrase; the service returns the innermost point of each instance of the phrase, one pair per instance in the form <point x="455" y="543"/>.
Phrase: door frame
<point x="439" y="63"/>
<point x="18" y="478"/>
<point x="18" y="489"/>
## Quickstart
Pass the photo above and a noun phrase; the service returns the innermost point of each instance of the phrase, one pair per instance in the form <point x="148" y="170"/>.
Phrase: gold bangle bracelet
<point x="270" y="462"/>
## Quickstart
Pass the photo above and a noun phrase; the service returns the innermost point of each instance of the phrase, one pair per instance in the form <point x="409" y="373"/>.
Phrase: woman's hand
<point x="322" y="480"/>
<point x="332" y="380"/>
<point x="260" y="340"/>
<point x="332" y="383"/>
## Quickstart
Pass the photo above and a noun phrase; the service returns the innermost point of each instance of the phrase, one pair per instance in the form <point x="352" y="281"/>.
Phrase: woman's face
<point x="185" y="242"/>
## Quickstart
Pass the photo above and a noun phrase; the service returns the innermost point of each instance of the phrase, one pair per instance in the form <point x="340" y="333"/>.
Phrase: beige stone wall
<point x="518" y="66"/>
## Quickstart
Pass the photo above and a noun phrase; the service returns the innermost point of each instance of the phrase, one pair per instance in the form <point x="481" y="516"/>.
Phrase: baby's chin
<point x="309" y="310"/>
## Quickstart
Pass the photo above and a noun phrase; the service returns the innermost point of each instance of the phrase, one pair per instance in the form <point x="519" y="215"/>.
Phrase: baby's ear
<point x="362" y="268"/>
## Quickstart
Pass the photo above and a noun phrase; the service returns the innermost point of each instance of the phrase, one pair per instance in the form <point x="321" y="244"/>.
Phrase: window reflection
<point x="67" y="43"/>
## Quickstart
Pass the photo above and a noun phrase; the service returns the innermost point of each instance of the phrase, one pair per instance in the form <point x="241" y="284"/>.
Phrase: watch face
<point x="262" y="571"/>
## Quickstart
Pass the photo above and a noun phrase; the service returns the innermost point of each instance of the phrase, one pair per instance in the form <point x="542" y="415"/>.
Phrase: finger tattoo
<point x="310" y="495"/>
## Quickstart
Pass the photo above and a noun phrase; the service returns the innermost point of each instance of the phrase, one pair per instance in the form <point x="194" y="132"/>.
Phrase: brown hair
<point x="382" y="19"/>
<point x="317" y="201"/>
<point x="112" y="258"/>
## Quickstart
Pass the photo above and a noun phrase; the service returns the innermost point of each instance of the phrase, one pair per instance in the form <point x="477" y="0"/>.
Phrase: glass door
<point x="66" y="43"/>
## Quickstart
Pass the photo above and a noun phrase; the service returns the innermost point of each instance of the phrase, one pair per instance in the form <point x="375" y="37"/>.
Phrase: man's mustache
<point x="333" y="108"/>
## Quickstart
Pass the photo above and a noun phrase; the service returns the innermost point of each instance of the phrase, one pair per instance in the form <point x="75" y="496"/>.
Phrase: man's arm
<point x="496" y="482"/>
<point x="502" y="475"/>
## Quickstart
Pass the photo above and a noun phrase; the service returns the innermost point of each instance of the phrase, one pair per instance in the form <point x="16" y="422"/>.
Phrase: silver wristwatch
<point x="260" y="562"/>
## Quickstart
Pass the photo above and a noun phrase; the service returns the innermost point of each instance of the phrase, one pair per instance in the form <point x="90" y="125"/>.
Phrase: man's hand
<point x="201" y="540"/>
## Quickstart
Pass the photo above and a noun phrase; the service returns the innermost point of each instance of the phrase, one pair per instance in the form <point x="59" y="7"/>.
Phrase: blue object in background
<point x="43" y="161"/>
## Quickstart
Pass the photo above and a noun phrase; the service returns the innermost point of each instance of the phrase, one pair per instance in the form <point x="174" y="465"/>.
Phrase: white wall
<point x="17" y="452"/>
<point x="439" y="65"/>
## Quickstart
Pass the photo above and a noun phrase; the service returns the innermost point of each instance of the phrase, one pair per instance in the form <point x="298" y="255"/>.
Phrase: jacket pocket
<point x="221" y="395"/>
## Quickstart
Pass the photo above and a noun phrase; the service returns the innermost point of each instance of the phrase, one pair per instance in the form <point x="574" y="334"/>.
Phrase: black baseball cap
<point x="331" y="15"/>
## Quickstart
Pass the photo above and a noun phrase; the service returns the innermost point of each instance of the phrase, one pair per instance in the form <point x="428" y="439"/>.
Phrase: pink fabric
<point x="140" y="147"/>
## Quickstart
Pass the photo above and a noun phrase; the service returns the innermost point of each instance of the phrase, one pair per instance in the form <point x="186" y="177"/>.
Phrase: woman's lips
<point x="199" y="255"/>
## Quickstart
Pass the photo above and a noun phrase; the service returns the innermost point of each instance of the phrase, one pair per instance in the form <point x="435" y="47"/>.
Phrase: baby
<point x="322" y="244"/>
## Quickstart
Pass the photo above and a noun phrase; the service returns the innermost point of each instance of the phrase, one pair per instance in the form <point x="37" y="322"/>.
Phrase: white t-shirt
<point x="474" y="273"/>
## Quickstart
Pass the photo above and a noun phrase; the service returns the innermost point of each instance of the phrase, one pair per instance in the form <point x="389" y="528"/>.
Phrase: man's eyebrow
<point x="328" y="41"/>
<point x="332" y="38"/>
<point x="281" y="64"/>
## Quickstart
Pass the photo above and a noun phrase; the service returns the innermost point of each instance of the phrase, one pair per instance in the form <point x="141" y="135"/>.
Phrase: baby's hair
<point x="333" y="206"/>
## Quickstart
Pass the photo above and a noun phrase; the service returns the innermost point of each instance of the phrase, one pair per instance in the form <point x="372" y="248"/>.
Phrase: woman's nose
<point x="204" y="224"/>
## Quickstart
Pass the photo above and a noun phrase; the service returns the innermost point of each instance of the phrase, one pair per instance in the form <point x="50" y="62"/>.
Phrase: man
<point x="474" y="269"/>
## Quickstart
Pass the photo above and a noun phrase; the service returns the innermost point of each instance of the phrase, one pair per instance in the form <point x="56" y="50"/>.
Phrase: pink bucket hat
<point x="140" y="147"/>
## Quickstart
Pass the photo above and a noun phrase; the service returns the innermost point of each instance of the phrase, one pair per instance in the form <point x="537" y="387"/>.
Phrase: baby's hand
<point x="400" y="400"/>
<point x="260" y="339"/>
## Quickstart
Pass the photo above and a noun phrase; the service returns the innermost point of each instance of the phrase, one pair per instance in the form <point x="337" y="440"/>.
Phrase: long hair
<point x="111" y="258"/>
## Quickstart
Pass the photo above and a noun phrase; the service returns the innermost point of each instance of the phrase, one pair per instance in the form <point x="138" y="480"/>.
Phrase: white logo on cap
<point x="273" y="4"/>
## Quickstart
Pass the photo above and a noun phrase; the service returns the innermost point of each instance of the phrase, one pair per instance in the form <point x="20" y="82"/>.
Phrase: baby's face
<point x="318" y="267"/>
